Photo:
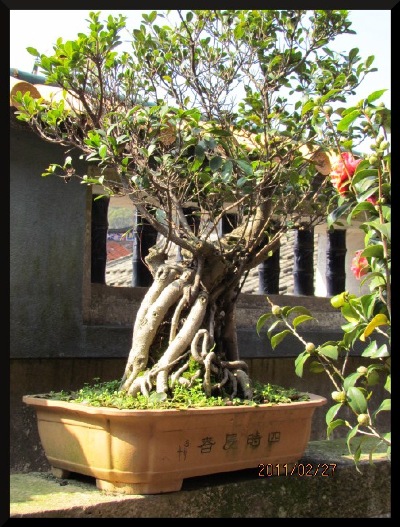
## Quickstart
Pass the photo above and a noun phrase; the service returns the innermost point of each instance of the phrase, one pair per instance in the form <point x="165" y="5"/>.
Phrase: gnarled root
<point x="149" y="319"/>
<point x="182" y="340"/>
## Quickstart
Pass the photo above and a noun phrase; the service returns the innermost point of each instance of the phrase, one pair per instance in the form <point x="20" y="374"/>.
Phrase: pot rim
<point x="42" y="401"/>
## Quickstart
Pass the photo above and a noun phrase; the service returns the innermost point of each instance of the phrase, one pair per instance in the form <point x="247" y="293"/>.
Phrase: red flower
<point x="343" y="168"/>
<point x="373" y="200"/>
<point x="359" y="265"/>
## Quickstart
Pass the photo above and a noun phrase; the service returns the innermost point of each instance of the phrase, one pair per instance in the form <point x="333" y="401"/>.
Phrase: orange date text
<point x="266" y="470"/>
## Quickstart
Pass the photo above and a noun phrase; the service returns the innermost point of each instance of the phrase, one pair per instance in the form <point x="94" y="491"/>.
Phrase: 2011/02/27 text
<point x="296" y="469"/>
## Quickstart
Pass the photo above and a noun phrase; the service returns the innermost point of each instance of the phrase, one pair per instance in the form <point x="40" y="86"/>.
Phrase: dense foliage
<point x="364" y="195"/>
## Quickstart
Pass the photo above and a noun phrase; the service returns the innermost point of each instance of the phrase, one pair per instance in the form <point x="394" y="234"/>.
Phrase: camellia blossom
<point x="343" y="168"/>
<point x="373" y="200"/>
<point x="359" y="265"/>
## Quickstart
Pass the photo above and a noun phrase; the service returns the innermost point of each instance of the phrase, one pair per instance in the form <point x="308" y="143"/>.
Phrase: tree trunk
<point x="188" y="314"/>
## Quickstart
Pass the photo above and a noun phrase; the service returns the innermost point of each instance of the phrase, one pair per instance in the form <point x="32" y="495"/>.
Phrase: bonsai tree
<point x="222" y="111"/>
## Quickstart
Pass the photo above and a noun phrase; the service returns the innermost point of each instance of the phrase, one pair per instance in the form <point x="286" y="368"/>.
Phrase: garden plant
<point x="218" y="112"/>
<point x="363" y="193"/>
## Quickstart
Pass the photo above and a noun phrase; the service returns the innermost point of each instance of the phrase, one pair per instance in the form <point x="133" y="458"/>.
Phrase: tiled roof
<point x="116" y="250"/>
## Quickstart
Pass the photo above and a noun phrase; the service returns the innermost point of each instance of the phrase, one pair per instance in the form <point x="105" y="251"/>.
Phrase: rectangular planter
<point x="152" y="451"/>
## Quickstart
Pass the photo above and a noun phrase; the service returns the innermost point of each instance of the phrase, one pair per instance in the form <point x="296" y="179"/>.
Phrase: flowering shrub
<point x="363" y="192"/>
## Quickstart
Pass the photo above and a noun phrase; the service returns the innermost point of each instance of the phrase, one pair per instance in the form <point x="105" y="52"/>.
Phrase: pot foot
<point x="153" y="487"/>
<point x="60" y="473"/>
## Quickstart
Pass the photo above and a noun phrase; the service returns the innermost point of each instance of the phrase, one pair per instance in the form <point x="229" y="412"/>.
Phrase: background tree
<point x="222" y="111"/>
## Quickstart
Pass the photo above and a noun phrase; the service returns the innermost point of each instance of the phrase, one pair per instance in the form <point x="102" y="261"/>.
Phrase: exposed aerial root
<point x="182" y="340"/>
<point x="209" y="367"/>
<point x="146" y="328"/>
<point x="244" y="383"/>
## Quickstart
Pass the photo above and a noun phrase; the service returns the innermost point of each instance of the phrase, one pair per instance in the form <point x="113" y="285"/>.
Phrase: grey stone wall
<point x="47" y="229"/>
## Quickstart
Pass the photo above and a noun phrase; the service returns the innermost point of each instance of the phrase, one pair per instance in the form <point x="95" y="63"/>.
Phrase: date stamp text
<point x="296" y="469"/>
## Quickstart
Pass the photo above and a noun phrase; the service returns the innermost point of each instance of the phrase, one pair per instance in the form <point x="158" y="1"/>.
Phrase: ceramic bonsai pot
<point x="152" y="451"/>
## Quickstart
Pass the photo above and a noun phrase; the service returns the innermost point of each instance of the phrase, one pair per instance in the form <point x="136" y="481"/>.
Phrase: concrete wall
<point x="47" y="233"/>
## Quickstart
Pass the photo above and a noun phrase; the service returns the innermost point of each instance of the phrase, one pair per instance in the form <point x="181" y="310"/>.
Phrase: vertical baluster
<point x="303" y="273"/>
<point x="99" y="239"/>
<point x="268" y="274"/>
<point x="144" y="237"/>
<point x="335" y="262"/>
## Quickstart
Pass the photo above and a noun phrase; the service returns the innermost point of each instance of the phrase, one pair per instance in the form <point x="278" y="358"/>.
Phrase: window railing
<point x="308" y="262"/>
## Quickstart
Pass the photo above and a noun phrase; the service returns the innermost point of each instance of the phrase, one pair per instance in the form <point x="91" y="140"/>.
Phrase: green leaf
<point x="328" y="95"/>
<point x="372" y="377"/>
<point x="331" y="413"/>
<point x="350" y="436"/>
<point x="220" y="133"/>
<point x="375" y="95"/>
<point x="350" y="313"/>
<point x="387" y="436"/>
<point x="344" y="123"/>
<point x="356" y="400"/>
<point x="299" y="309"/>
<point x="384" y="229"/>
<point x="246" y="167"/>
<point x="316" y="367"/>
<point x="33" y="51"/>
<point x="360" y="207"/>
<point x="385" y="406"/>
<point x="227" y="169"/>
<point x="351" y="380"/>
<point x="103" y="151"/>
<point x="357" y="453"/>
<point x="199" y="151"/>
<point x="239" y="31"/>
<point x="300" y="319"/>
<point x="376" y="353"/>
<point x="329" y="351"/>
<point x="138" y="34"/>
<point x="363" y="174"/>
<point x="307" y="107"/>
<point x="273" y="326"/>
<point x="196" y="164"/>
<point x="375" y="251"/>
<point x="216" y="163"/>
<point x="153" y="16"/>
<point x="261" y="321"/>
<point x="337" y="213"/>
<point x="388" y="383"/>
<point x="299" y="363"/>
<point x="334" y="424"/>
<point x="353" y="54"/>
<point x="368" y="63"/>
<point x="277" y="339"/>
<point x="376" y="283"/>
